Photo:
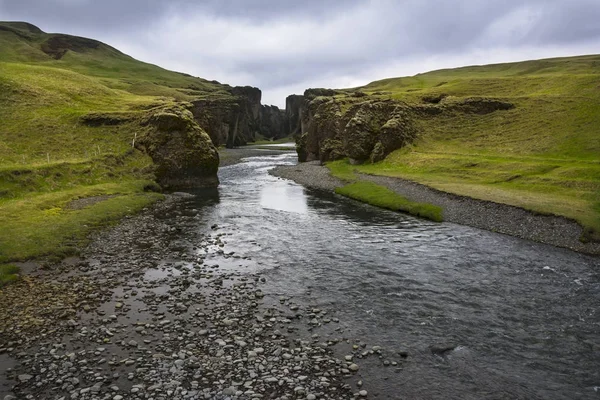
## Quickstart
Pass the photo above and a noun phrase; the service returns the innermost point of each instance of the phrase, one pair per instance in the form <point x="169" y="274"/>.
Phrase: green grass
<point x="543" y="155"/>
<point x="50" y="157"/>
<point x="380" y="196"/>
<point x="342" y="169"/>
<point x="377" y="195"/>
<point x="44" y="224"/>
<point x="566" y="187"/>
<point x="8" y="273"/>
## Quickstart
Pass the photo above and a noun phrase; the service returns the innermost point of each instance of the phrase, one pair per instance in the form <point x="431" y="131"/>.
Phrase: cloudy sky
<point x="284" y="47"/>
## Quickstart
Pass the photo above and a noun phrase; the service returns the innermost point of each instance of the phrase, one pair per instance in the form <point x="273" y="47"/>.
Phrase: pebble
<point x="230" y="343"/>
<point x="24" y="378"/>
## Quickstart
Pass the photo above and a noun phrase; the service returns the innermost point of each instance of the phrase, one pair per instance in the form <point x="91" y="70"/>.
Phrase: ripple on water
<point x="523" y="318"/>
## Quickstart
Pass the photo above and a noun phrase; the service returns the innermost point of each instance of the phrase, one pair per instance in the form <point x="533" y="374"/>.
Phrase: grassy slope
<point x="543" y="155"/>
<point x="48" y="158"/>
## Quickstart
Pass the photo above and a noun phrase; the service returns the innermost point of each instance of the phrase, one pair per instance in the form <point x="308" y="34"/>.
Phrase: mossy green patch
<point x="45" y="225"/>
<point x="383" y="197"/>
<point x="8" y="273"/>
<point x="343" y="170"/>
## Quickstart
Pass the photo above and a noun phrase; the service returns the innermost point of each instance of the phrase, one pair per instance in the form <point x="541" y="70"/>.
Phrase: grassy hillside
<point x="57" y="147"/>
<point x="543" y="154"/>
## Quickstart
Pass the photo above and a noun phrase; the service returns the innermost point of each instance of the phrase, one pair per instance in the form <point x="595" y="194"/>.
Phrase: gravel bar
<point x="495" y="217"/>
<point x="310" y="174"/>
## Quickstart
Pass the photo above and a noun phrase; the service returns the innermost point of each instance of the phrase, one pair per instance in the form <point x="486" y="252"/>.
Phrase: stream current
<point x="464" y="313"/>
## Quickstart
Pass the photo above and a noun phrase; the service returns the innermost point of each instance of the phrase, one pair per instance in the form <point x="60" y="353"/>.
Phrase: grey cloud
<point x="277" y="44"/>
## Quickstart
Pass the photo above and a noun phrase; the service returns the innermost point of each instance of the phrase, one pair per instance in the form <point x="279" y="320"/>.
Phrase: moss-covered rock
<point x="378" y="153"/>
<point x="184" y="154"/>
<point x="350" y="126"/>
<point x="172" y="120"/>
<point x="364" y="129"/>
<point x="331" y="150"/>
<point x="398" y="131"/>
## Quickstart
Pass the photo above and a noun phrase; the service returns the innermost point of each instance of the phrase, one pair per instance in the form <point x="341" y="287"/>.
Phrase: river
<point x="522" y="318"/>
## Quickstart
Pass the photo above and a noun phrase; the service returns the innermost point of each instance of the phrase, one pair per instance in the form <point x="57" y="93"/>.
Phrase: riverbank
<point x="495" y="217"/>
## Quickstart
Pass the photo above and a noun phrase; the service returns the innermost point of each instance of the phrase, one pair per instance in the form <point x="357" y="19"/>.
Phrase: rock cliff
<point x="240" y="118"/>
<point x="273" y="122"/>
<point x="332" y="124"/>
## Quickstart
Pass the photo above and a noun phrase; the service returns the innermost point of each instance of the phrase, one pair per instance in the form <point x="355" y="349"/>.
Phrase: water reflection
<point x="283" y="196"/>
<point x="524" y="315"/>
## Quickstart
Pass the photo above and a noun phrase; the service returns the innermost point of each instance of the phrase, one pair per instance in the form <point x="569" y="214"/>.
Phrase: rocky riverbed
<point x="143" y="314"/>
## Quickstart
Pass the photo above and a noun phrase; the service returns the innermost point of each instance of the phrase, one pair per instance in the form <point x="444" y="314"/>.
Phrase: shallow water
<point x="523" y="316"/>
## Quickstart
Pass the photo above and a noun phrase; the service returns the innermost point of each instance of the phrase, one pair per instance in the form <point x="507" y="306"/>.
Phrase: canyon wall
<point x="332" y="124"/>
<point x="239" y="118"/>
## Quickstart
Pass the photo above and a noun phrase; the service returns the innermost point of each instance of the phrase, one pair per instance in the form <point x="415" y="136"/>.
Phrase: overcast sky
<point x="284" y="47"/>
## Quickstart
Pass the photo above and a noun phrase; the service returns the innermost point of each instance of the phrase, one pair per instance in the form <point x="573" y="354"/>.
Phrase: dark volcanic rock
<point x="237" y="119"/>
<point x="230" y="120"/>
<point x="294" y="105"/>
<point x="273" y="122"/>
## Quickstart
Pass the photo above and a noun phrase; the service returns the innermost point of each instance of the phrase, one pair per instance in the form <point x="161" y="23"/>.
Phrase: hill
<point x="80" y="119"/>
<point x="524" y="134"/>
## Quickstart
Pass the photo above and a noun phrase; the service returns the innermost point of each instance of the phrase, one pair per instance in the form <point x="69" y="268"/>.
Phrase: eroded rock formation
<point x="273" y="122"/>
<point x="182" y="151"/>
<point x="330" y="125"/>
<point x="239" y="118"/>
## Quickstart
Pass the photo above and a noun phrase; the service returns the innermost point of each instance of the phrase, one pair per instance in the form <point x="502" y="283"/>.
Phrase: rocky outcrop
<point x="273" y="122"/>
<point x="330" y="125"/>
<point x="293" y="112"/>
<point x="236" y="119"/>
<point x="352" y="127"/>
<point x="229" y="120"/>
<point x="182" y="151"/>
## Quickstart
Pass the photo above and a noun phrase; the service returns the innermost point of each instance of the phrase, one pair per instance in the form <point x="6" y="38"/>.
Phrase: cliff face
<point x="330" y="125"/>
<point x="238" y="119"/>
<point x="293" y="110"/>
<point x="273" y="122"/>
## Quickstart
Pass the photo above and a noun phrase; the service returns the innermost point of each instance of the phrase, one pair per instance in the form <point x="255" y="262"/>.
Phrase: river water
<point x="465" y="313"/>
